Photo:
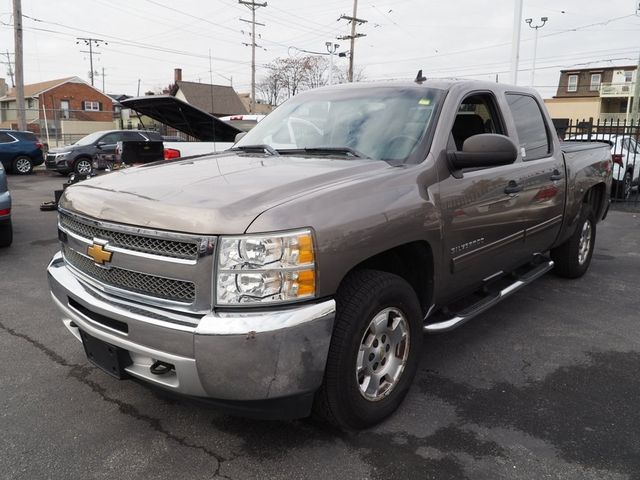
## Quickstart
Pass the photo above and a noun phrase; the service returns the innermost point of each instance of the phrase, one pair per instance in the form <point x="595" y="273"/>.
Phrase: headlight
<point x="61" y="155"/>
<point x="266" y="269"/>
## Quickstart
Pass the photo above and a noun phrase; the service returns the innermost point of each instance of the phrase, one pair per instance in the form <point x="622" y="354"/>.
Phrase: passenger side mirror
<point x="100" y="144"/>
<point x="239" y="136"/>
<point x="484" y="150"/>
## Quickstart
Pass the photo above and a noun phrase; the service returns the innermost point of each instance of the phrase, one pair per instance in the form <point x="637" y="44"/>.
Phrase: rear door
<point x="543" y="173"/>
<point x="7" y="149"/>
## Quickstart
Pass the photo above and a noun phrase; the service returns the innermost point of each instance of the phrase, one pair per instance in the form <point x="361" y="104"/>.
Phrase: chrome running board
<point x="489" y="301"/>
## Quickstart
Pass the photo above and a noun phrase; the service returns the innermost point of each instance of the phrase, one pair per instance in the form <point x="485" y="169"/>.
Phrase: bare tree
<point x="270" y="88"/>
<point x="317" y="72"/>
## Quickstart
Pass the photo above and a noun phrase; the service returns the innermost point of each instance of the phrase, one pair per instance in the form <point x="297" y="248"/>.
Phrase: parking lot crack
<point x="81" y="373"/>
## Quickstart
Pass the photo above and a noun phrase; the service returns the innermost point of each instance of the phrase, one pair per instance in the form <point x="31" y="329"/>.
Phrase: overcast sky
<point x="147" y="39"/>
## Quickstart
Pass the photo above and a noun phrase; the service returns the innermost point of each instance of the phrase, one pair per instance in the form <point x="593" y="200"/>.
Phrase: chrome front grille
<point x="170" y="270"/>
<point x="142" y="283"/>
<point x="138" y="243"/>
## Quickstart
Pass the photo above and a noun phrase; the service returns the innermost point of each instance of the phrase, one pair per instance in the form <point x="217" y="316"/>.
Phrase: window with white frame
<point x="572" y="85"/>
<point x="628" y="76"/>
<point x="91" y="106"/>
<point x="595" y="82"/>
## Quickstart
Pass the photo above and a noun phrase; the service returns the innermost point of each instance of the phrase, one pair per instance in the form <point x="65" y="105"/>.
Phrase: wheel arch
<point x="411" y="261"/>
<point x="596" y="198"/>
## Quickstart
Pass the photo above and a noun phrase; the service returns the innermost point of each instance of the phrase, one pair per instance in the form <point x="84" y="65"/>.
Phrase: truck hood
<point x="215" y="194"/>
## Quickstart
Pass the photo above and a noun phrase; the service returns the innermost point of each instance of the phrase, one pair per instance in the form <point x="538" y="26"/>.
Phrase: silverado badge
<point x="97" y="251"/>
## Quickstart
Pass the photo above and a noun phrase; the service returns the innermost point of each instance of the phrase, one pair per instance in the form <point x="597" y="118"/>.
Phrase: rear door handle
<point x="513" y="187"/>
<point x="556" y="175"/>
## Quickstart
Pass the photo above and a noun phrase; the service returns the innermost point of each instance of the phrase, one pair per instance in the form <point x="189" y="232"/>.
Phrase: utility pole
<point x="103" y="91"/>
<point x="90" y="42"/>
<point x="635" y="113"/>
<point x="354" y="21"/>
<point x="515" y="41"/>
<point x="529" y="21"/>
<point x="253" y="6"/>
<point x="10" y="69"/>
<point x="17" y="33"/>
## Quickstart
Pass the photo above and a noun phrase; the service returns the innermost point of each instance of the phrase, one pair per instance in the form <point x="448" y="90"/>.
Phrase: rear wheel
<point x="573" y="257"/>
<point x="22" y="165"/>
<point x="621" y="189"/>
<point x="83" y="166"/>
<point x="374" y="350"/>
<point x="6" y="233"/>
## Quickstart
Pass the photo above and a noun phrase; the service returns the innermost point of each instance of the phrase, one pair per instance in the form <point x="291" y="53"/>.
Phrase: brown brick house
<point x="65" y="100"/>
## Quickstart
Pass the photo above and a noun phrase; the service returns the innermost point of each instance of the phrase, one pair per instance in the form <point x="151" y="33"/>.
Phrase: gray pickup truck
<point x="298" y="271"/>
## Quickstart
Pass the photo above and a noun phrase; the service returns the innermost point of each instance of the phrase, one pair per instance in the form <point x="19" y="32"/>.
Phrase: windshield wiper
<point x="326" y="151"/>
<point x="259" y="148"/>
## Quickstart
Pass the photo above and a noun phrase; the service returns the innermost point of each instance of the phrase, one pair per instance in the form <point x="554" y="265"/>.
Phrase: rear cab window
<point x="533" y="135"/>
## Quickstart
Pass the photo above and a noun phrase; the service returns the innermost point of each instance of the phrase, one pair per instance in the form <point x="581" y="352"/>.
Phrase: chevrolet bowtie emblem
<point x="98" y="253"/>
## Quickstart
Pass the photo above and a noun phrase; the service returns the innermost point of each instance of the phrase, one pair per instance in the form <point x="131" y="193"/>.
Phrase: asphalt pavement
<point x="543" y="386"/>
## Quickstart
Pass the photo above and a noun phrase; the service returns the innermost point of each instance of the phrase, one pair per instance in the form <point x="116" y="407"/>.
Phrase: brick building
<point x="68" y="106"/>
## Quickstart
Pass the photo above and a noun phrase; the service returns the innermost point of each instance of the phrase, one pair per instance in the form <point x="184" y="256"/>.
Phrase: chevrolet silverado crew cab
<point x="298" y="271"/>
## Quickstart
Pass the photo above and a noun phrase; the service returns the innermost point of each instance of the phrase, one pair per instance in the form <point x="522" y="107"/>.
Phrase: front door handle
<point x="556" y="175"/>
<point x="512" y="187"/>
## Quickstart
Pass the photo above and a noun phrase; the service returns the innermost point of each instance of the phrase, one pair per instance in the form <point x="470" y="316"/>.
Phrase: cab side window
<point x="477" y="114"/>
<point x="530" y="126"/>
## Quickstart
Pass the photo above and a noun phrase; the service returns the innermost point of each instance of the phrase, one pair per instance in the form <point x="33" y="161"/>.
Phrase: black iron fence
<point x="624" y="138"/>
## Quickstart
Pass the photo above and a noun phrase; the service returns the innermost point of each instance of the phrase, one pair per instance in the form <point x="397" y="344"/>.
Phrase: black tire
<point x="80" y="165"/>
<point x="621" y="189"/>
<point x="361" y="297"/>
<point x="6" y="233"/>
<point x="567" y="257"/>
<point x="22" y="165"/>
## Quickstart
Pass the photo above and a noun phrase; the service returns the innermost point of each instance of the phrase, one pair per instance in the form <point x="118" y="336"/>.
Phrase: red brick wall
<point x="76" y="94"/>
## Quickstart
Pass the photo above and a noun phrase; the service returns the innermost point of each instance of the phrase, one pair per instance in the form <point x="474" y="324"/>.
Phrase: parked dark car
<point x="6" y="230"/>
<point x="78" y="157"/>
<point x="20" y="151"/>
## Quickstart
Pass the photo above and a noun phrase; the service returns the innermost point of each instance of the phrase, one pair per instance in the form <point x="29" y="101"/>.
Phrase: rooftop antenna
<point x="420" y="78"/>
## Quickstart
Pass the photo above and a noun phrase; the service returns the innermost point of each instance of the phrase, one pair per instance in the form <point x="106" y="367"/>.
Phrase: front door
<point x="482" y="212"/>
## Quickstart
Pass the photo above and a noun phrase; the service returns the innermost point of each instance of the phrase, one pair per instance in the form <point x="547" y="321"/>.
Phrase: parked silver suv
<point x="6" y="230"/>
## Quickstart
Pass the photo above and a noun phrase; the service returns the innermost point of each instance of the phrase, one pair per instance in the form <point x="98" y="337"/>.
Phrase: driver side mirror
<point x="484" y="150"/>
<point x="100" y="144"/>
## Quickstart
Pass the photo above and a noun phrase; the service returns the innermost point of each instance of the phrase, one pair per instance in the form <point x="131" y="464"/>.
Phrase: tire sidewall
<point x="77" y="164"/>
<point x="15" y="163"/>
<point x="358" y="410"/>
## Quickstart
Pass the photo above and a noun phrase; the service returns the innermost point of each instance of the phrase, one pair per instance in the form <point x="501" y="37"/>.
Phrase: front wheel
<point x="374" y="350"/>
<point x="83" y="167"/>
<point x="573" y="257"/>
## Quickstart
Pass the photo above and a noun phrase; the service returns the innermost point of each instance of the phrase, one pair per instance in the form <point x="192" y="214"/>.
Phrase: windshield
<point x="89" y="139"/>
<point x="382" y="123"/>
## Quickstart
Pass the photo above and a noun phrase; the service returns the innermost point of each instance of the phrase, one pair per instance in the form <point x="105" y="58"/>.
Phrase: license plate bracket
<point x="109" y="358"/>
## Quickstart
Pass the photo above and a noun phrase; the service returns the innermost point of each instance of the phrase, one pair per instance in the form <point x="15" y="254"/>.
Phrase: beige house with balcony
<point x="604" y="94"/>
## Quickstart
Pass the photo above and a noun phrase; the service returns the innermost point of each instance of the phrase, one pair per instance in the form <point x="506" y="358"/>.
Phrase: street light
<point x="331" y="48"/>
<point x="529" y="22"/>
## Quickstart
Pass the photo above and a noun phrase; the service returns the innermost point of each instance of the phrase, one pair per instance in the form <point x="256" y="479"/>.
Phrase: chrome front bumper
<point x="229" y="356"/>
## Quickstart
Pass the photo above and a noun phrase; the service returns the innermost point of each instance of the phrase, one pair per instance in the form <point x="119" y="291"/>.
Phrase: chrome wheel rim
<point x="383" y="354"/>
<point x="23" y="165"/>
<point x="585" y="243"/>
<point x="84" y="167"/>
